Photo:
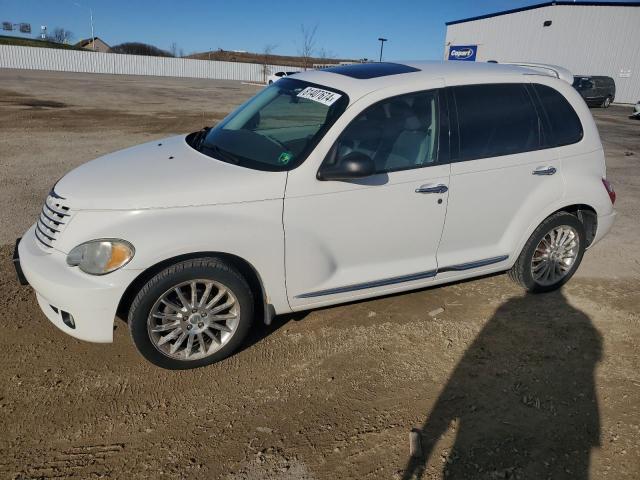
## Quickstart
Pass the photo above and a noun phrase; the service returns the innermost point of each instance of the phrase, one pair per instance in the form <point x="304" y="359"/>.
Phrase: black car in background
<point x="597" y="91"/>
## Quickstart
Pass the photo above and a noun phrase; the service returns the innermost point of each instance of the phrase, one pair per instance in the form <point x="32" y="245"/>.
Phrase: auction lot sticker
<point x="318" y="95"/>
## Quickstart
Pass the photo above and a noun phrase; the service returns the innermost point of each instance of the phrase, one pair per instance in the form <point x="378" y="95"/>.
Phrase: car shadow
<point x="260" y="330"/>
<point x="521" y="403"/>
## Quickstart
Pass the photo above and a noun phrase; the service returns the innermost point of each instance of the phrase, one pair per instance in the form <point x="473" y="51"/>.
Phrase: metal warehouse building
<point x="588" y="38"/>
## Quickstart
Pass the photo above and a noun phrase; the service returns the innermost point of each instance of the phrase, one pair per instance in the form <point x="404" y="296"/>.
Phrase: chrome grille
<point x="53" y="218"/>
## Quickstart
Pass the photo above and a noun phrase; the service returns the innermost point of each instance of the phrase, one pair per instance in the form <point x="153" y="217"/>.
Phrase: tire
<point x="211" y="333"/>
<point x="270" y="82"/>
<point x="606" y="102"/>
<point x="536" y="282"/>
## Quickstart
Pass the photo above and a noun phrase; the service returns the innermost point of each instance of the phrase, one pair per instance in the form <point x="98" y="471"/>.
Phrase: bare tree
<point x="60" y="35"/>
<point x="308" y="44"/>
<point x="327" y="56"/>
<point x="173" y="49"/>
<point x="266" y="59"/>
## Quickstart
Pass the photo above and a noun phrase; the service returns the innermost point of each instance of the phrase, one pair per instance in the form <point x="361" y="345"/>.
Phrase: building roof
<point x="547" y="4"/>
<point x="87" y="41"/>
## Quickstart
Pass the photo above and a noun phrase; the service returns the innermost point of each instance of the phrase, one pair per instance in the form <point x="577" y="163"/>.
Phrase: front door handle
<point x="544" y="171"/>
<point x="431" y="188"/>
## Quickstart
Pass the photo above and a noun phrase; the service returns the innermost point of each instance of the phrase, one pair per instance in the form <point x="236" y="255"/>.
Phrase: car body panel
<point x="161" y="174"/>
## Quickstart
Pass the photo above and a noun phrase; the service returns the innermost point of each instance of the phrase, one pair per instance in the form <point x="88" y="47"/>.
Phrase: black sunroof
<point x="363" y="71"/>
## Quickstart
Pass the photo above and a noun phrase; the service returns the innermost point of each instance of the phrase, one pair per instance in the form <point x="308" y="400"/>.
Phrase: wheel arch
<point x="248" y="271"/>
<point x="587" y="214"/>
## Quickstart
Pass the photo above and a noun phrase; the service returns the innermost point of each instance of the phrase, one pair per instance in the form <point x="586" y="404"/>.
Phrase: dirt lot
<point x="500" y="384"/>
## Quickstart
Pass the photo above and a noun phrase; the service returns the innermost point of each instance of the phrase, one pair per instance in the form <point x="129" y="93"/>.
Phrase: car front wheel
<point x="191" y="314"/>
<point x="551" y="255"/>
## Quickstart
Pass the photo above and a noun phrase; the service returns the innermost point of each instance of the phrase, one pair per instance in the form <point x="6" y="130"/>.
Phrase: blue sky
<point x="345" y="28"/>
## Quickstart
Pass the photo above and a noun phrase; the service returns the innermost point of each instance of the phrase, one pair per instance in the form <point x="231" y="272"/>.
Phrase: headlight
<point x="99" y="257"/>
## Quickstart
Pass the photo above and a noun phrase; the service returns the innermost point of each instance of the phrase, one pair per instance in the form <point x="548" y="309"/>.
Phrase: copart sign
<point x="463" y="52"/>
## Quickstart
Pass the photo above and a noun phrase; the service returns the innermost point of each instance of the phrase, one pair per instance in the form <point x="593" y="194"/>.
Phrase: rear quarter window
<point x="561" y="122"/>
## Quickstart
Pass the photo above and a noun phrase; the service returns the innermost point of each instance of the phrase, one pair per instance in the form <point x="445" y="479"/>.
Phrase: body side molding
<point x="404" y="278"/>
<point x="376" y="283"/>
<point x="476" y="264"/>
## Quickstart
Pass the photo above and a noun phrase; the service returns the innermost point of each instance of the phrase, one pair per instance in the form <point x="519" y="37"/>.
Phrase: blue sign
<point x="463" y="52"/>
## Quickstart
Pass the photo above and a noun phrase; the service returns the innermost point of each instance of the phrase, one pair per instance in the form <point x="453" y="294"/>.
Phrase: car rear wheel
<point x="551" y="255"/>
<point x="191" y="314"/>
<point x="606" y="103"/>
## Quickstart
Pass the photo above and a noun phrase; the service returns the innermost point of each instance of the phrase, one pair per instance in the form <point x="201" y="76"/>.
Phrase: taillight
<point x="610" y="190"/>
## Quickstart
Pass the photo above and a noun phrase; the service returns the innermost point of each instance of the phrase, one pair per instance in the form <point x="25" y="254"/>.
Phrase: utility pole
<point x="93" y="37"/>
<point x="382" y="40"/>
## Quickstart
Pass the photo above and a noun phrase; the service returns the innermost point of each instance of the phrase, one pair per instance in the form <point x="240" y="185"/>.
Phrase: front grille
<point x="53" y="218"/>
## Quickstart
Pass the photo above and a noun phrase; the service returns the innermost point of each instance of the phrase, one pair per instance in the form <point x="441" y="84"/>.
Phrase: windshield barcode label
<point x="318" y="95"/>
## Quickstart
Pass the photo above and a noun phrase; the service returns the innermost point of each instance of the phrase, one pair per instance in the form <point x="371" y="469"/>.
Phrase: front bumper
<point x="63" y="292"/>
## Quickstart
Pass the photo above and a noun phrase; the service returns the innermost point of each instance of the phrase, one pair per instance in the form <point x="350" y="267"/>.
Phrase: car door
<point x="501" y="176"/>
<point x="352" y="239"/>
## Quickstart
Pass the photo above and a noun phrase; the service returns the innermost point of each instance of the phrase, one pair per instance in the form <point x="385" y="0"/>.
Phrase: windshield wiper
<point x="199" y="138"/>
<point x="223" y="154"/>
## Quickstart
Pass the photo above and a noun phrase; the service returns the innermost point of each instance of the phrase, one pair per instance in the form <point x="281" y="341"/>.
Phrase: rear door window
<point x="561" y="123"/>
<point x="495" y="120"/>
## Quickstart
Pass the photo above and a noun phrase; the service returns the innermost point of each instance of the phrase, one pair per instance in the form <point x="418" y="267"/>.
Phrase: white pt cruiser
<point x="327" y="187"/>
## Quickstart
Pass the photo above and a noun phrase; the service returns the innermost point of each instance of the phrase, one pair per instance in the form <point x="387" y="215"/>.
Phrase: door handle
<point x="431" y="188"/>
<point x="544" y="171"/>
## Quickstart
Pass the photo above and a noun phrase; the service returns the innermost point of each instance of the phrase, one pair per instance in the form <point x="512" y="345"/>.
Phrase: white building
<point x="588" y="38"/>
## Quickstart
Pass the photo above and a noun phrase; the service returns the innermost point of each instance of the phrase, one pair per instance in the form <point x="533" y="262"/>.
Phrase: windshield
<point x="275" y="130"/>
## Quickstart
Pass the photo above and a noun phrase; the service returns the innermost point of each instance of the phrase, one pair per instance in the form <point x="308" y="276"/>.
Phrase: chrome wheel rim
<point x="555" y="255"/>
<point x="193" y="319"/>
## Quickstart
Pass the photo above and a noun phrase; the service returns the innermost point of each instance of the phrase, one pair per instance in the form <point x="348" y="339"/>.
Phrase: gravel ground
<point x="499" y="384"/>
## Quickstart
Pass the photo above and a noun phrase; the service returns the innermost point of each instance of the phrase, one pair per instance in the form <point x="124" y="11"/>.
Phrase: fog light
<point x="67" y="318"/>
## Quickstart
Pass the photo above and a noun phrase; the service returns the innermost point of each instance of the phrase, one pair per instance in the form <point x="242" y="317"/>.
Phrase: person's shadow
<point x="521" y="403"/>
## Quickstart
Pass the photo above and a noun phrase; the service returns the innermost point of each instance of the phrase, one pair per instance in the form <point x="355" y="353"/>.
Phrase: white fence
<point x="33" y="58"/>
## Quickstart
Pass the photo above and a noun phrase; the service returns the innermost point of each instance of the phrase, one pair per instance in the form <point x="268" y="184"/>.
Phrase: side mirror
<point x="355" y="165"/>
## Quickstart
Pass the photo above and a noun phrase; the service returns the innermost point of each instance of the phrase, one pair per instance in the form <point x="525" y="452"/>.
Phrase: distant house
<point x="88" y="44"/>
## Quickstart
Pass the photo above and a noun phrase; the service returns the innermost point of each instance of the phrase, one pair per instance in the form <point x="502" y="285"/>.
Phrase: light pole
<point x="93" y="38"/>
<point x="382" y="40"/>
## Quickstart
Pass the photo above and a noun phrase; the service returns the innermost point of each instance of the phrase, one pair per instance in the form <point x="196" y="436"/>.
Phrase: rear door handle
<point x="431" y="188"/>
<point x="544" y="171"/>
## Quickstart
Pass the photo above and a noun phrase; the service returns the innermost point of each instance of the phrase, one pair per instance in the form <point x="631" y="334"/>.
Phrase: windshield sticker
<point x="284" y="158"/>
<point x="318" y="95"/>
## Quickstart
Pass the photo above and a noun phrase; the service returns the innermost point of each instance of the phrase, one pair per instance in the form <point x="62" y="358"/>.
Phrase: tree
<point x="326" y="54"/>
<point x="60" y="35"/>
<point x="174" y="49"/>
<point x="136" y="48"/>
<point x="308" y="44"/>
<point x="266" y="59"/>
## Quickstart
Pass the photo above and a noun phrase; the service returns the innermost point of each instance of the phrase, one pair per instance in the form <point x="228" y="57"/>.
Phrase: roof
<point x="547" y="4"/>
<point x="364" y="71"/>
<point x="343" y="79"/>
<point x="86" y="41"/>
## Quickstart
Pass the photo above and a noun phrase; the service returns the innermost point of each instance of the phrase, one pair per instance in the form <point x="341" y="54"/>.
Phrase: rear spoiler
<point x="551" y="70"/>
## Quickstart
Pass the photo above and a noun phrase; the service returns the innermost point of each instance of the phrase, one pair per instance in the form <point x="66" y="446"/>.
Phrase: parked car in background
<point x="274" y="77"/>
<point x="378" y="178"/>
<point x="597" y="91"/>
<point x="636" y="110"/>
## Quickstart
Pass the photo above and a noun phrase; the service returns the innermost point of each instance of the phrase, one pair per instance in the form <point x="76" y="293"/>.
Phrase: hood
<point x="164" y="173"/>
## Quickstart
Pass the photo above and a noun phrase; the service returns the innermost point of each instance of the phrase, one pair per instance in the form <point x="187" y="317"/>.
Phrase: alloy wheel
<point x="193" y="319"/>
<point x="555" y="255"/>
